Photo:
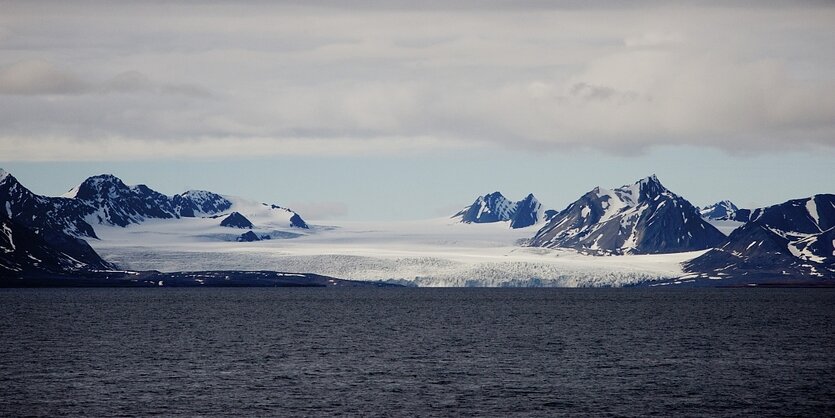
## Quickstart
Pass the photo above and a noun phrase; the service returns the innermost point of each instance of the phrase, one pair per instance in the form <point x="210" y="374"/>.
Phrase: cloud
<point x="60" y="148"/>
<point x="39" y="77"/>
<point x="293" y="79"/>
<point x="654" y="39"/>
<point x="136" y="82"/>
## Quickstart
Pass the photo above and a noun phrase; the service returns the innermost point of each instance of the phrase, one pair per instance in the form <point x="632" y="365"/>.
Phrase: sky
<point x="402" y="110"/>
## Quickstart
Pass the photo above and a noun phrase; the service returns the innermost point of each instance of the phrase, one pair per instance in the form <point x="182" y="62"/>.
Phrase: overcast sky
<point x="282" y="97"/>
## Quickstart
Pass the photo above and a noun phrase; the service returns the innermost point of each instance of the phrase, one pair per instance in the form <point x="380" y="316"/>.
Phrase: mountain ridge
<point x="639" y="218"/>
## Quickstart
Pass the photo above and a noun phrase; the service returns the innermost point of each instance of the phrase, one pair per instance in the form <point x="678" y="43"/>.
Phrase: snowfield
<point x="437" y="252"/>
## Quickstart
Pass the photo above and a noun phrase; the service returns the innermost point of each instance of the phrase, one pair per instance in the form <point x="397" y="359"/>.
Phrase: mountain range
<point x="641" y="218"/>
<point x="794" y="239"/>
<point x="789" y="242"/>
<point x="46" y="235"/>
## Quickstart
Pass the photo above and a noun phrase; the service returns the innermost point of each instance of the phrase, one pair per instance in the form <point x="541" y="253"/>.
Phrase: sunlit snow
<point x="437" y="252"/>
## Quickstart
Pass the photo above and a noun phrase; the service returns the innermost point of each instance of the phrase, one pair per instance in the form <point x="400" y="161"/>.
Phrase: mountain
<point x="56" y="221"/>
<point x="494" y="207"/>
<point x="786" y="242"/>
<point x="45" y="214"/>
<point x="115" y="203"/>
<point x="725" y="211"/>
<point x="199" y="202"/>
<point x="528" y="212"/>
<point x="236" y="220"/>
<point x="642" y="218"/>
<point x="294" y="219"/>
<point x="249" y="237"/>
<point x="111" y="202"/>
<point x="23" y="252"/>
<point x="799" y="216"/>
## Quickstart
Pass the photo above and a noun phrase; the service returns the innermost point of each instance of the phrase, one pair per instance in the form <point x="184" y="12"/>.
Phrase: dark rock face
<point x="788" y="241"/>
<point x="808" y="216"/>
<point x="528" y="212"/>
<point x="56" y="221"/>
<point x="24" y="252"/>
<point x="236" y="220"/>
<point x="249" y="237"/>
<point x="199" y="202"/>
<point x="41" y="213"/>
<point x="298" y="222"/>
<point x="494" y="207"/>
<point x="642" y="218"/>
<point x="115" y="203"/>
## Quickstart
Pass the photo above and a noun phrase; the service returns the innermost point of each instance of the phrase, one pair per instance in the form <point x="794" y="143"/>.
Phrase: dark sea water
<point x="423" y="352"/>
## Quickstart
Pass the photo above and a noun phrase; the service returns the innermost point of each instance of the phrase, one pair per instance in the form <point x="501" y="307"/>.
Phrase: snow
<point x="585" y="211"/>
<point x="613" y="205"/>
<point x="260" y="214"/>
<point x="812" y="208"/>
<point x="7" y="231"/>
<point x="438" y="252"/>
<point x="3" y="175"/>
<point x="72" y="193"/>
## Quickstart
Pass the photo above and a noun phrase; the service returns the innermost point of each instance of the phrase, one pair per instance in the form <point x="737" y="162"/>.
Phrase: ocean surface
<point x="417" y="352"/>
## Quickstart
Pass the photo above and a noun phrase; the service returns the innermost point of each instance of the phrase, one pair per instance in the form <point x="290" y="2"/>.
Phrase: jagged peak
<point x="723" y="203"/>
<point x="494" y="195"/>
<point x="198" y="193"/>
<point x="7" y="177"/>
<point x="652" y="178"/>
<point x="647" y="188"/>
<point x="102" y="178"/>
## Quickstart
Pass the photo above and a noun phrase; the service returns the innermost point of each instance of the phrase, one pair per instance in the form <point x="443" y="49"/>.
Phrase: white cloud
<point x="292" y="79"/>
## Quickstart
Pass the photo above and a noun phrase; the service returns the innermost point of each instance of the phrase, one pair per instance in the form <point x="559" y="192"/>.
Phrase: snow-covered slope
<point x="494" y="207"/>
<point x="425" y="253"/>
<point x="641" y="218"/>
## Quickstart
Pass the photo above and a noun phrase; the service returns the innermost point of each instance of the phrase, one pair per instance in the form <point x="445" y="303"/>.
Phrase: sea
<point x="394" y="352"/>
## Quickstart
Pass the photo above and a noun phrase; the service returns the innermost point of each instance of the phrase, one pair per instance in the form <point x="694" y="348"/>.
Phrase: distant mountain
<point x="725" y="211"/>
<point x="115" y="203"/>
<point x="642" y="218"/>
<point x="109" y="201"/>
<point x="236" y="220"/>
<point x="494" y="207"/>
<point x="249" y="237"/>
<point x="199" y="203"/>
<point x="295" y="220"/>
<point x="786" y="242"/>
